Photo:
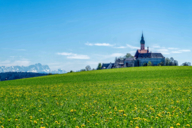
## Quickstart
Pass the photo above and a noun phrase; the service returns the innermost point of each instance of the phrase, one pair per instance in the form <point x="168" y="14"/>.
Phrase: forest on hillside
<point x="19" y="75"/>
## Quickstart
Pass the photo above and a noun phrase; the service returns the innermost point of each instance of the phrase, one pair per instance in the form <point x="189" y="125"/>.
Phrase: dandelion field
<point x="128" y="97"/>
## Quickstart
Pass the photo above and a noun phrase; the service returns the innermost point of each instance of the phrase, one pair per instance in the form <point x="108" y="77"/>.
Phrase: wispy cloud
<point x="127" y="46"/>
<point x="73" y="56"/>
<point x="156" y="46"/>
<point x="98" y="44"/>
<point x="181" y="51"/>
<point x="122" y="47"/>
<point x="8" y="63"/>
<point x="165" y="50"/>
<point x="176" y="52"/>
<point x="132" y="47"/>
<point x="117" y="54"/>
<point x="173" y="48"/>
<point x="185" y="50"/>
<point x="110" y="45"/>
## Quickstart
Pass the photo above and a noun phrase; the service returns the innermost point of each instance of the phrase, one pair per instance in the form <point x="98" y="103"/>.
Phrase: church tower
<point x="142" y="42"/>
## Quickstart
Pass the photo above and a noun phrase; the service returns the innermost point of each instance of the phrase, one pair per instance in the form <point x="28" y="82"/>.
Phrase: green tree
<point x="149" y="63"/>
<point x="161" y="64"/>
<point x="99" y="66"/>
<point x="88" y="68"/>
<point x="167" y="61"/>
<point x="71" y="71"/>
<point x="186" y="64"/>
<point x="144" y="64"/>
<point x="128" y="55"/>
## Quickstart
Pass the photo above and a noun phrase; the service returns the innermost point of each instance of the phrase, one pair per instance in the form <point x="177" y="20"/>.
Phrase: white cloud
<point x="163" y="51"/>
<point x="89" y="44"/>
<point x="117" y="54"/>
<point x="103" y="44"/>
<point x="156" y="46"/>
<point x="78" y="57"/>
<point x="65" y="54"/>
<point x="8" y="63"/>
<point x="176" y="52"/>
<point x="74" y="56"/>
<point x="173" y="48"/>
<point x="98" y="44"/>
<point x="169" y="50"/>
<point x="132" y="47"/>
<point x="121" y="47"/>
<point x="185" y="50"/>
<point x="110" y="45"/>
<point x="181" y="51"/>
<point x="127" y="46"/>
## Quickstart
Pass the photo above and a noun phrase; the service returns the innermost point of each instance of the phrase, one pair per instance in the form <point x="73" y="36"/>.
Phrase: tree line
<point x="18" y="75"/>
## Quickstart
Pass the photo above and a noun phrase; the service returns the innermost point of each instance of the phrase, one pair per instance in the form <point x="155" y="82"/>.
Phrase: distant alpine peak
<point x="38" y="68"/>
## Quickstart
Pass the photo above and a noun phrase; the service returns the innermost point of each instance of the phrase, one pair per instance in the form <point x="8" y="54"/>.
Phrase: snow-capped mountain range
<point x="38" y="68"/>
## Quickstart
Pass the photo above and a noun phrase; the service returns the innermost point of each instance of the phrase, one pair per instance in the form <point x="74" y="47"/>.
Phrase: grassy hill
<point x="126" y="97"/>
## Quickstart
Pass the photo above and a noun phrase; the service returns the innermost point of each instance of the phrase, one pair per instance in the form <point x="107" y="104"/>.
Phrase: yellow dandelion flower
<point x="71" y="110"/>
<point x="96" y="124"/>
<point x="83" y="125"/>
<point x="42" y="127"/>
<point x="178" y="124"/>
<point x="35" y="121"/>
<point x="188" y="125"/>
<point x="124" y="115"/>
<point x="136" y="127"/>
<point x="76" y="126"/>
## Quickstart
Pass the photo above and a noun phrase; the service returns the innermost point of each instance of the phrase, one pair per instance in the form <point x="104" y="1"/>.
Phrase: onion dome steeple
<point x="142" y="39"/>
<point x="142" y="42"/>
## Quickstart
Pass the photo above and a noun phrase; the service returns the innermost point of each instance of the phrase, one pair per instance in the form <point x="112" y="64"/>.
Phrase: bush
<point x="149" y="63"/>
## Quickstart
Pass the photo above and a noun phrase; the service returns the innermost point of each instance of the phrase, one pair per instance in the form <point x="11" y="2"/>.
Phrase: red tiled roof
<point x="142" y="51"/>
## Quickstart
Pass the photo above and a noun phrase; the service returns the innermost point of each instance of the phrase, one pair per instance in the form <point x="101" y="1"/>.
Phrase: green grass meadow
<point x="138" y="97"/>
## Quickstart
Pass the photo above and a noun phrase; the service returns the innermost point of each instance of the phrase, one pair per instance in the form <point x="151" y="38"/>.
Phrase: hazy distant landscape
<point x="36" y="68"/>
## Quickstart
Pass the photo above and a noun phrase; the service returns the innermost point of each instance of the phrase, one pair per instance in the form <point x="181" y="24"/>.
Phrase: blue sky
<point x="72" y="34"/>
